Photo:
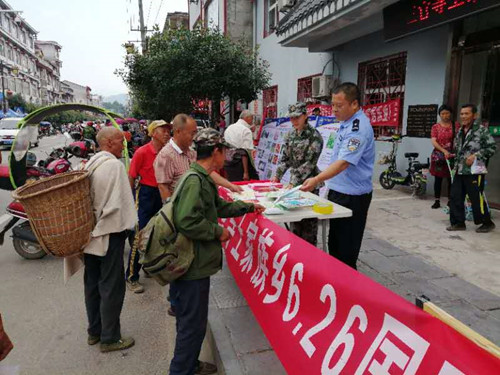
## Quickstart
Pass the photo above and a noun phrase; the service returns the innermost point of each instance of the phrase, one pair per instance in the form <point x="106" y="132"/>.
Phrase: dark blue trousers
<point x="191" y="323"/>
<point x="149" y="204"/>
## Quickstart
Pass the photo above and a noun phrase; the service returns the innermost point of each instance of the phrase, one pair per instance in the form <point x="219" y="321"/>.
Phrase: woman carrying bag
<point x="442" y="136"/>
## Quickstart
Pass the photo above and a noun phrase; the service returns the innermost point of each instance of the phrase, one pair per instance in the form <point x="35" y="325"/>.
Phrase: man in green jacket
<point x="196" y="210"/>
<point x="474" y="146"/>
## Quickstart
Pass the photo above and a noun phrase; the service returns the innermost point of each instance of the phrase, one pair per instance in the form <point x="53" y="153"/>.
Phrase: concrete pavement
<point x="46" y="319"/>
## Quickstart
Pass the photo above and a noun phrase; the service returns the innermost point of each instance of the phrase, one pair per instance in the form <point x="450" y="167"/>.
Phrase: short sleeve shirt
<point x="172" y="163"/>
<point x="355" y="144"/>
<point x="142" y="165"/>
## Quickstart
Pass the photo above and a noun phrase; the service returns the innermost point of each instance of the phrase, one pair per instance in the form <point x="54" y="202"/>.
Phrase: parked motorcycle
<point x="416" y="173"/>
<point x="24" y="240"/>
<point x="81" y="147"/>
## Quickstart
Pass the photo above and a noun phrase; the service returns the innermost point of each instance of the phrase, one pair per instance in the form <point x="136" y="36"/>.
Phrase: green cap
<point x="297" y="109"/>
<point x="210" y="137"/>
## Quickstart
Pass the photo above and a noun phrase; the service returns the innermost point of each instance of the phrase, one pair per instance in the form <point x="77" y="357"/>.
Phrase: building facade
<point x="81" y="94"/>
<point x="49" y="71"/>
<point x="18" y="61"/>
<point x="176" y="20"/>
<point x="422" y="53"/>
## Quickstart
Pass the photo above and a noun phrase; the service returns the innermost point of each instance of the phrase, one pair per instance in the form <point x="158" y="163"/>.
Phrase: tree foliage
<point x="115" y="107"/>
<point x="182" y="66"/>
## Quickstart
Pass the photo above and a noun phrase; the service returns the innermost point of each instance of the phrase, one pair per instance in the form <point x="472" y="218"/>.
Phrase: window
<point x="271" y="16"/>
<point x="304" y="89"/>
<point x="381" y="80"/>
<point x="270" y="102"/>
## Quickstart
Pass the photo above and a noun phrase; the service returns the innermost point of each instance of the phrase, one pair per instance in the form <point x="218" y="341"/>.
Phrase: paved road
<point x="46" y="319"/>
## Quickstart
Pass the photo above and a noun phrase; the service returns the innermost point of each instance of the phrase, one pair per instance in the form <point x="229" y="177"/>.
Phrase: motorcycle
<point x="416" y="173"/>
<point x="24" y="240"/>
<point x="81" y="147"/>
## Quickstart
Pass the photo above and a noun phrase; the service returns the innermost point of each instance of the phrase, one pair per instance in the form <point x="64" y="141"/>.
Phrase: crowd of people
<point x="157" y="168"/>
<point x="124" y="203"/>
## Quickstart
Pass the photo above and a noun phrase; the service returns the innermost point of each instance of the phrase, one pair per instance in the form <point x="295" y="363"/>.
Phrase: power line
<point x="157" y="13"/>
<point x="149" y="12"/>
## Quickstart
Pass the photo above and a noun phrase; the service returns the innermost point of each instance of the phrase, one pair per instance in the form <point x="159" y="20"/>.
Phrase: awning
<point x="320" y="25"/>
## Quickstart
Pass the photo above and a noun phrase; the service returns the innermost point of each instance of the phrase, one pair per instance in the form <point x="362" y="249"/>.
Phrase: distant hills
<point x="120" y="98"/>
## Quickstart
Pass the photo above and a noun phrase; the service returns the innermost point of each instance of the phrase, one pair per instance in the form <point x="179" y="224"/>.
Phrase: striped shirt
<point x="171" y="163"/>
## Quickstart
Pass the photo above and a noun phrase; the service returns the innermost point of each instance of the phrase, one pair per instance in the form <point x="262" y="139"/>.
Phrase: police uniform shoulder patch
<point x="353" y="144"/>
<point x="355" y="125"/>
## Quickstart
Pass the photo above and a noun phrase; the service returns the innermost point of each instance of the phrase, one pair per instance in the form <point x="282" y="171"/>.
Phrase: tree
<point x="17" y="101"/>
<point x="183" y="66"/>
<point x="115" y="107"/>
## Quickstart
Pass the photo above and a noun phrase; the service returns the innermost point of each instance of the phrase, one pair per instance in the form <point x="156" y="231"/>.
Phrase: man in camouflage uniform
<point x="473" y="144"/>
<point x="301" y="151"/>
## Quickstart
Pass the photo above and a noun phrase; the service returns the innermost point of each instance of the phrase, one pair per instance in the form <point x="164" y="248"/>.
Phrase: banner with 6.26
<point x="322" y="317"/>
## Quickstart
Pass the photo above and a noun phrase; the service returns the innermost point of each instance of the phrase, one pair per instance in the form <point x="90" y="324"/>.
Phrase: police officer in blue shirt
<point x="349" y="176"/>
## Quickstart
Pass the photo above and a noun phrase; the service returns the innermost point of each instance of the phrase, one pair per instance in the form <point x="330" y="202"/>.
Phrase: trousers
<point x="191" y="312"/>
<point x="473" y="186"/>
<point x="104" y="285"/>
<point x="149" y="203"/>
<point x="346" y="234"/>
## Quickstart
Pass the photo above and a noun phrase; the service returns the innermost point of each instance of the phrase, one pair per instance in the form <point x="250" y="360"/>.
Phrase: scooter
<point x="24" y="240"/>
<point x="81" y="147"/>
<point x="416" y="173"/>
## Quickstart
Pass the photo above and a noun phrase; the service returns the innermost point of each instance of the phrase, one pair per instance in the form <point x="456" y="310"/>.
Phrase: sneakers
<point x="456" y="227"/>
<point x="205" y="368"/>
<point x="92" y="340"/>
<point x="135" y="286"/>
<point x="485" y="228"/>
<point x="436" y="204"/>
<point x="122" y="344"/>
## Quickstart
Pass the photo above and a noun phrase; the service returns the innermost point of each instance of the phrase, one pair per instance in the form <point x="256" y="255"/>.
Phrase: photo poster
<point x="270" y="147"/>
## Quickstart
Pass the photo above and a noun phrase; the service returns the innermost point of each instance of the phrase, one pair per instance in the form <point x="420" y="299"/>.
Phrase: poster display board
<point x="270" y="147"/>
<point x="420" y="120"/>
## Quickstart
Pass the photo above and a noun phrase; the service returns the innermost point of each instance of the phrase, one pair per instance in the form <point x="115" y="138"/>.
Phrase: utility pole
<point x="143" y="29"/>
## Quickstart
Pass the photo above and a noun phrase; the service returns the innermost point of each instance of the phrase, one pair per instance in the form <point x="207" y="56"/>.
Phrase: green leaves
<point x="182" y="65"/>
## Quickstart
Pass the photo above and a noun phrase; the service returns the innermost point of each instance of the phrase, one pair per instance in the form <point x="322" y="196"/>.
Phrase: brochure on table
<point x="272" y="138"/>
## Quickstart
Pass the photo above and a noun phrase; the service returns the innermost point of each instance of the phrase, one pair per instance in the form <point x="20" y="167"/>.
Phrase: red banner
<point x="384" y="114"/>
<point x="325" y="110"/>
<point x="322" y="317"/>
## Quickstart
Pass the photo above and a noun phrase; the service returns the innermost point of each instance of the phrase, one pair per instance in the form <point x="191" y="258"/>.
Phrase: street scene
<point x="233" y="187"/>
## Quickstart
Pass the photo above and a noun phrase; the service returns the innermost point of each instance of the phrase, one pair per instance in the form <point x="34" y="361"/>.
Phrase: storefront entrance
<point x="475" y="78"/>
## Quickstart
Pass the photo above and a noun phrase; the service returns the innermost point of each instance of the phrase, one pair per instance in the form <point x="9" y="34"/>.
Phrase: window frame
<point x="267" y="8"/>
<point x="383" y="79"/>
<point x="267" y="94"/>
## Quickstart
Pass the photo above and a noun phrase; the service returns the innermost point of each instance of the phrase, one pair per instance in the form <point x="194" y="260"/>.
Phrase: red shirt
<point x="142" y="165"/>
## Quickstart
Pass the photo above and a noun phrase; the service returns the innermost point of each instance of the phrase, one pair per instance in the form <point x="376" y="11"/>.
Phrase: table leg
<point x="323" y="235"/>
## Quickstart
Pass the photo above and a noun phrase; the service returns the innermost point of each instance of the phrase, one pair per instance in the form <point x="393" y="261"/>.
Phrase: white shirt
<point x="174" y="145"/>
<point x="239" y="135"/>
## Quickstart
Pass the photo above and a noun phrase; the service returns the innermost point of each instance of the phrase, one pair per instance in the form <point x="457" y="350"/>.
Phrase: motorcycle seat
<point x="4" y="171"/>
<point x="411" y="154"/>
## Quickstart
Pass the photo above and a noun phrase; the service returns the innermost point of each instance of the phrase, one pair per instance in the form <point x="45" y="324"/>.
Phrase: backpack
<point x="165" y="254"/>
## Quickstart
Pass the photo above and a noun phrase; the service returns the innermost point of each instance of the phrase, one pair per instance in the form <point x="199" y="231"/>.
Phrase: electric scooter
<point x="416" y="173"/>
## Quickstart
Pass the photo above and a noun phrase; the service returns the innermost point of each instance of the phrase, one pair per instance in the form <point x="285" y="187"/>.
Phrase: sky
<point x="92" y="32"/>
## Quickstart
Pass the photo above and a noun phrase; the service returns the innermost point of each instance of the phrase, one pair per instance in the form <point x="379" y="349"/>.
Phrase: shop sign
<point x="409" y="16"/>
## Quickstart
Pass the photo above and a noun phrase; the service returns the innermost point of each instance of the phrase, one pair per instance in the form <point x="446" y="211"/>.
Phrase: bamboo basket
<point x="60" y="212"/>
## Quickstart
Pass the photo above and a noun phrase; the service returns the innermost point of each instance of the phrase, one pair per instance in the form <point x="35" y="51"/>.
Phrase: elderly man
<point x="114" y="210"/>
<point x="174" y="160"/>
<point x="196" y="210"/>
<point x="239" y="134"/>
<point x="474" y="146"/>
<point x="239" y="166"/>
<point x="148" y="197"/>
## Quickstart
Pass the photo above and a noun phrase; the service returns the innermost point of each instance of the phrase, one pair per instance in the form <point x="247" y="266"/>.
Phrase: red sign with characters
<point x="384" y="114"/>
<point x="322" y="317"/>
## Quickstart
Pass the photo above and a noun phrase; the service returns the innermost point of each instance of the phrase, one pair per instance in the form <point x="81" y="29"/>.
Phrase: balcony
<point x="321" y="25"/>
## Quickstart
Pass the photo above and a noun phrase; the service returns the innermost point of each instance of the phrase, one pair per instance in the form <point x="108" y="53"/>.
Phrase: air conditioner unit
<point x="321" y="86"/>
<point x="285" y="5"/>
